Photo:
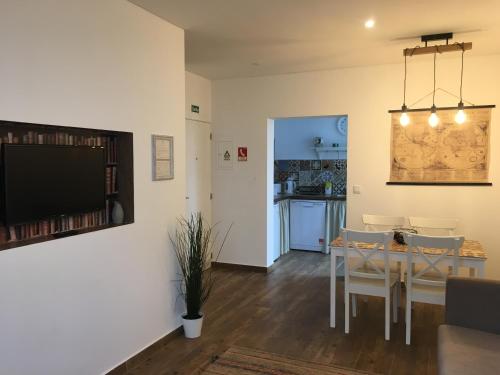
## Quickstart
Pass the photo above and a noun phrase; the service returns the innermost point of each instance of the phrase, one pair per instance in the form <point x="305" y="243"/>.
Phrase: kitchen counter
<point x="309" y="197"/>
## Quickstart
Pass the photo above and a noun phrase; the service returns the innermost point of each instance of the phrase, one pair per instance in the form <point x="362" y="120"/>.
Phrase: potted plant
<point x="328" y="187"/>
<point x="193" y="244"/>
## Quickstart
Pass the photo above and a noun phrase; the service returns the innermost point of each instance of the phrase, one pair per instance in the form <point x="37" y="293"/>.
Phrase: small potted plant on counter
<point x="328" y="187"/>
<point x="194" y="242"/>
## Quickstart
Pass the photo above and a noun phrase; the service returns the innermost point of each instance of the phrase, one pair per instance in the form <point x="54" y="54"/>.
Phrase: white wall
<point x="198" y="92"/>
<point x="294" y="137"/>
<point x="241" y="108"/>
<point x="83" y="304"/>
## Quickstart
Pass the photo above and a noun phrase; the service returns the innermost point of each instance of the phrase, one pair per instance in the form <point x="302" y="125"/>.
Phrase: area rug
<point x="244" y="361"/>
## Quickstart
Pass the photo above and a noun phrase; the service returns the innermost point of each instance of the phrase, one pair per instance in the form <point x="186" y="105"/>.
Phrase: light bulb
<point x="460" y="116"/>
<point x="433" y="119"/>
<point x="370" y="23"/>
<point x="404" y="120"/>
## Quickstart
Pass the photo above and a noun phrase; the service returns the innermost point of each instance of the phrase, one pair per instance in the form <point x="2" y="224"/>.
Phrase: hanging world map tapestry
<point x="448" y="153"/>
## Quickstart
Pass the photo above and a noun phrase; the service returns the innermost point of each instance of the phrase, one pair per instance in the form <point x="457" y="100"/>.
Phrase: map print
<point x="447" y="153"/>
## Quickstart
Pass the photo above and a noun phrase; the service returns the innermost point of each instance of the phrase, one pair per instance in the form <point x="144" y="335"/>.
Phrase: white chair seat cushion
<point x="393" y="267"/>
<point x="371" y="287"/>
<point x="434" y="294"/>
<point x="432" y="274"/>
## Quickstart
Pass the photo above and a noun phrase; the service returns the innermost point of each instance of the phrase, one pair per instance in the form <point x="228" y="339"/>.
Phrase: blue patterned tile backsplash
<point x="313" y="173"/>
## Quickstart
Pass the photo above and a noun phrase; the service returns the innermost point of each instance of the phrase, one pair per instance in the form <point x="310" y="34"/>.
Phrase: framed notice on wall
<point x="225" y="155"/>
<point x="163" y="157"/>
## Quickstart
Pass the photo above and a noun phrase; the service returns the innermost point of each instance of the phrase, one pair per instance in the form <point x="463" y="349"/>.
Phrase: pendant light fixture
<point x="461" y="117"/>
<point x="433" y="118"/>
<point x="404" y="119"/>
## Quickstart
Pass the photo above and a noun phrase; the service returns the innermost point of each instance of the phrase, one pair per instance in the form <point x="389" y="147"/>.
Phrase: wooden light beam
<point x="437" y="49"/>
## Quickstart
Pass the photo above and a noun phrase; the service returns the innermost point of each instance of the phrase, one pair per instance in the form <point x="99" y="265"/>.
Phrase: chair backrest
<point x="434" y="226"/>
<point x="366" y="262"/>
<point x="433" y="251"/>
<point x="382" y="223"/>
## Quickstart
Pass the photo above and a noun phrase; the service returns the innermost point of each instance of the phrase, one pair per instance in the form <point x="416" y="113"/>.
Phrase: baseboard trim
<point x="241" y="267"/>
<point x="135" y="360"/>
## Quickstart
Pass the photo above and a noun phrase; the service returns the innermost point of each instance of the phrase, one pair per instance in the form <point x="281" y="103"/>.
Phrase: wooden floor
<point x="287" y="312"/>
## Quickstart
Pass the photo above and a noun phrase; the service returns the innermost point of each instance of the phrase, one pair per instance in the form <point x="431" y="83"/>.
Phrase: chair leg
<point x="400" y="292"/>
<point x="408" y="318"/>
<point x="398" y="295"/>
<point x="395" y="293"/>
<point x="347" y="317"/>
<point x="388" y="315"/>
<point x="354" y="298"/>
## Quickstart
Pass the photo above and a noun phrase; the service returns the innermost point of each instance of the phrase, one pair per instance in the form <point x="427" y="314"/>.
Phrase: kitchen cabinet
<point x="277" y="232"/>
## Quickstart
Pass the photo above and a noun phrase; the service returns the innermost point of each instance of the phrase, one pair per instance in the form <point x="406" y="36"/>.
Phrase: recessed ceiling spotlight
<point x="369" y="24"/>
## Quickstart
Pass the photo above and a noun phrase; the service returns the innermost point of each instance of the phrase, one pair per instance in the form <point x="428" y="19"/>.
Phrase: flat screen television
<point x="43" y="181"/>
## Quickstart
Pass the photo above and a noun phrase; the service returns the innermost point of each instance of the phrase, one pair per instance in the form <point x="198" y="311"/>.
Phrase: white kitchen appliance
<point x="307" y="225"/>
<point x="290" y="186"/>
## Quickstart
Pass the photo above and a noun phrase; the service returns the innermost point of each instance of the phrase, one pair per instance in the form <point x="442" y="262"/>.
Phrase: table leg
<point x="480" y="270"/>
<point x="472" y="272"/>
<point x="333" y="286"/>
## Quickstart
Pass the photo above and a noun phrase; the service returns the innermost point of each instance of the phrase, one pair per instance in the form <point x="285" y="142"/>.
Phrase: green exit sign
<point x="195" y="108"/>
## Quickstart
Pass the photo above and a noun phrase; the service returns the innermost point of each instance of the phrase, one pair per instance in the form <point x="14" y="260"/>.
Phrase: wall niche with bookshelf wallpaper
<point x="119" y="181"/>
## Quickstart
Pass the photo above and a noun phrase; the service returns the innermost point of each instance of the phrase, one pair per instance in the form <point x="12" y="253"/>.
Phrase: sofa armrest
<point x="473" y="303"/>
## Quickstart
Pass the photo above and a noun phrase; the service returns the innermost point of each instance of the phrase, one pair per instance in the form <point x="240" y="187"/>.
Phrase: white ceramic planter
<point x="328" y="191"/>
<point x="192" y="327"/>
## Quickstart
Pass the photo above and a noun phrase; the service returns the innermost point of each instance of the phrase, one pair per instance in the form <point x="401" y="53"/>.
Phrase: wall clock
<point x="342" y="125"/>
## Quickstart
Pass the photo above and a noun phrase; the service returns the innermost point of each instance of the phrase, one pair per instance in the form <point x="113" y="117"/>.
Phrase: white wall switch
<point x="356" y="189"/>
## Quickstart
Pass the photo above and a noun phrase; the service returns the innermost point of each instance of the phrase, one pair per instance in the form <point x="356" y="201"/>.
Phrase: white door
<point x="199" y="168"/>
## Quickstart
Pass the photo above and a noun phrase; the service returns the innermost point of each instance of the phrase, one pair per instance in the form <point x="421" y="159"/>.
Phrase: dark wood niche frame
<point x="119" y="145"/>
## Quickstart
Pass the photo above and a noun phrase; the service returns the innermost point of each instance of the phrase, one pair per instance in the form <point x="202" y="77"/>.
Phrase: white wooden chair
<point x="434" y="226"/>
<point x="373" y="280"/>
<point x="428" y="283"/>
<point x="382" y="223"/>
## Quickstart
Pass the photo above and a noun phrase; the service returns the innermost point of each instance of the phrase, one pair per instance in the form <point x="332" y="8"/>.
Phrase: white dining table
<point x="472" y="256"/>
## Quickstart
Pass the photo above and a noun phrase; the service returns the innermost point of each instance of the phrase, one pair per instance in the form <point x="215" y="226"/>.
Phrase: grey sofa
<point x="469" y="341"/>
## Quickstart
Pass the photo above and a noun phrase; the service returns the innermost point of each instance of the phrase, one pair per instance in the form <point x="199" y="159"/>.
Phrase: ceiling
<point x="246" y="38"/>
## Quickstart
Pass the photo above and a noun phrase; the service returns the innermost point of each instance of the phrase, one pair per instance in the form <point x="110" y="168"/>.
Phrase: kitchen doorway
<point x="308" y="171"/>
